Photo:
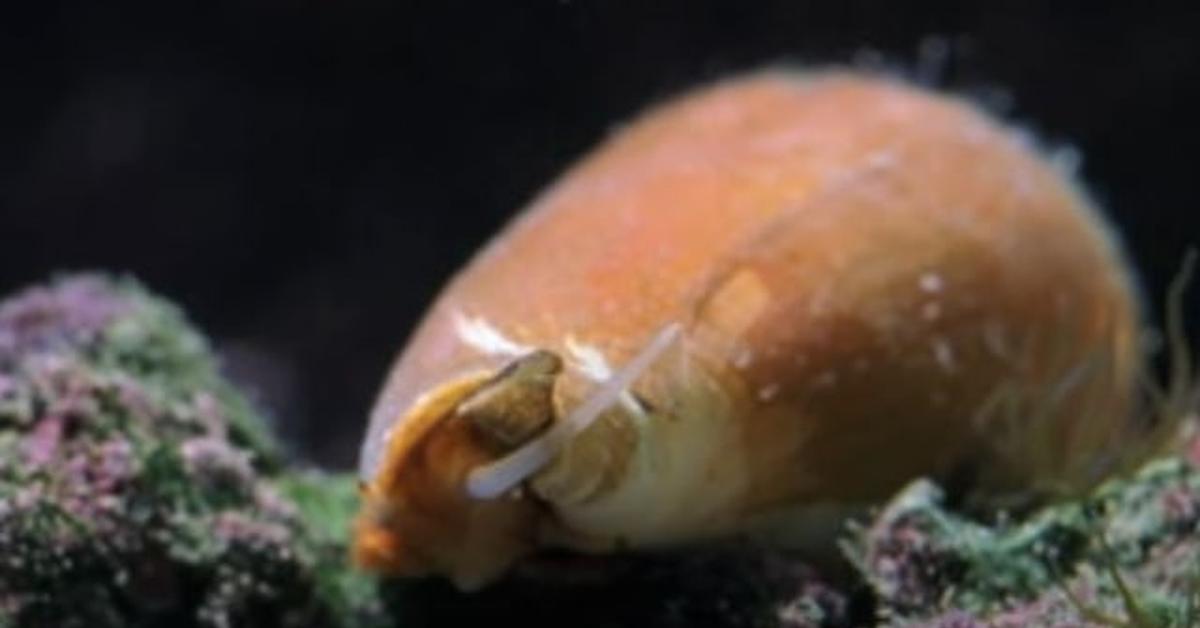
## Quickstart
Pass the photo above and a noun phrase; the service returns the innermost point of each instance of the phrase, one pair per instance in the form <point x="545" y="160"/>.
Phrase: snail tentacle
<point x="498" y="477"/>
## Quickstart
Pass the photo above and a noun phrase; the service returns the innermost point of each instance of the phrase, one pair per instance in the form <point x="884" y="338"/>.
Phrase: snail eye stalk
<point x="516" y="403"/>
<point x="498" y="477"/>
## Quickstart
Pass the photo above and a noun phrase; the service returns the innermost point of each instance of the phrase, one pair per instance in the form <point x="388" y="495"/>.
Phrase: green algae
<point x="924" y="561"/>
<point x="139" y="488"/>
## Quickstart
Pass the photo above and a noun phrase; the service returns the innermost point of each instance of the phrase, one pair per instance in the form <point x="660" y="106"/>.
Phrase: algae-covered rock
<point x="1126" y="555"/>
<point x="138" y="488"/>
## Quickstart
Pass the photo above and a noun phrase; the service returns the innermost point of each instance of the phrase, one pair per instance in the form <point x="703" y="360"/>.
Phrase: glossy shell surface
<point x="864" y="271"/>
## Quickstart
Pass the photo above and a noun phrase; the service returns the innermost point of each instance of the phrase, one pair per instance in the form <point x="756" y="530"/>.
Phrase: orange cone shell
<point x="864" y="268"/>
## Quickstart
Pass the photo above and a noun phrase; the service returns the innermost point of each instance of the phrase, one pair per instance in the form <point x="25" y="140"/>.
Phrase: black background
<point x="302" y="176"/>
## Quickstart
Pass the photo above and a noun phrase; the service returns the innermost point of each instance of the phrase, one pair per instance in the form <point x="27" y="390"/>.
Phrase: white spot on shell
<point x="743" y="359"/>
<point x="931" y="282"/>
<point x="768" y="392"/>
<point x="588" y="360"/>
<point x="479" y="334"/>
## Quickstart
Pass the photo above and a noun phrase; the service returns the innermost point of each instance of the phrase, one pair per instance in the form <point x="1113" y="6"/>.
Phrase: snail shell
<point x="867" y="282"/>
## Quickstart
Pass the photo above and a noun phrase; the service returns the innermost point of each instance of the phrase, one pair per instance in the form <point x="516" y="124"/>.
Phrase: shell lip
<point x="422" y="415"/>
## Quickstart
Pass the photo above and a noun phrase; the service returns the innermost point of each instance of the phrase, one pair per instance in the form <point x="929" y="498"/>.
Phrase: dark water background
<point x="302" y="176"/>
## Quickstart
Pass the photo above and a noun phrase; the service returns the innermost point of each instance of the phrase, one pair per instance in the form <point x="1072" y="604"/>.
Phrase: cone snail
<point x="758" y="308"/>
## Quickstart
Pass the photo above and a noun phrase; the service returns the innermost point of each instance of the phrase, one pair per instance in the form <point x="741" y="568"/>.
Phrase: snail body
<point x="765" y="304"/>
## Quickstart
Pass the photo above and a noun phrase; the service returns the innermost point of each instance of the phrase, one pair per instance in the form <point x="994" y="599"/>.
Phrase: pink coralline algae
<point x="69" y="315"/>
<point x="136" y="486"/>
<point x="1069" y="564"/>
